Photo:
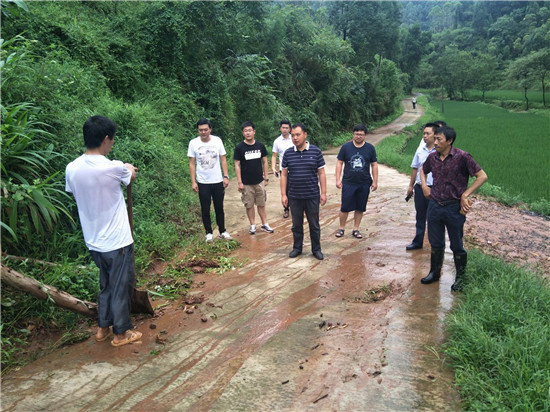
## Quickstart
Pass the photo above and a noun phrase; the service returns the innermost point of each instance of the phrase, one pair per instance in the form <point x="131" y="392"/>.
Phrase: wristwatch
<point x="266" y="180"/>
<point x="226" y="177"/>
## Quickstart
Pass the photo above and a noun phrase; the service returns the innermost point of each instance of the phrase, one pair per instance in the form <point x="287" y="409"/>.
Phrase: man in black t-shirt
<point x="252" y="176"/>
<point x="356" y="158"/>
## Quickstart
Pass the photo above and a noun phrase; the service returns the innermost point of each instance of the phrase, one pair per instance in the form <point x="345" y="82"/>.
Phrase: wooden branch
<point x="62" y="299"/>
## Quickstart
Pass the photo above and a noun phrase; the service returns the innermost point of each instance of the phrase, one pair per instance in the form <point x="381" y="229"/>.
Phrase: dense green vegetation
<point x="499" y="338"/>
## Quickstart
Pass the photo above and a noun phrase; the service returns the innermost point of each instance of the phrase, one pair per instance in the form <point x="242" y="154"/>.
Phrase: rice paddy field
<point x="512" y="147"/>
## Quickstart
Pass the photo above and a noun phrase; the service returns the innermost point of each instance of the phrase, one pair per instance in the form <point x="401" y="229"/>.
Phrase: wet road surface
<point x="281" y="334"/>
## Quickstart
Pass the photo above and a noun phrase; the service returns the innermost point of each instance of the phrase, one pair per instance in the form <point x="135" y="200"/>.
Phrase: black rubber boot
<point x="436" y="259"/>
<point x="460" y="265"/>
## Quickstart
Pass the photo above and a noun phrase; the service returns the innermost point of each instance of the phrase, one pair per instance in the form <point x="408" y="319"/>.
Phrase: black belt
<point x="420" y="184"/>
<point x="447" y="202"/>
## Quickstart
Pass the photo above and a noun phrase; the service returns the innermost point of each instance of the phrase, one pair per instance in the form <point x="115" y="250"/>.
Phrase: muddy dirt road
<point x="278" y="334"/>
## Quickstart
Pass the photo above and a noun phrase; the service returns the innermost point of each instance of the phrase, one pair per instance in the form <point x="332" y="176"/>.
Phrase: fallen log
<point x="62" y="299"/>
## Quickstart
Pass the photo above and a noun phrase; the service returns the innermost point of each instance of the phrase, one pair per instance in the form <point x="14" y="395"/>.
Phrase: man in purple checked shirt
<point x="449" y="203"/>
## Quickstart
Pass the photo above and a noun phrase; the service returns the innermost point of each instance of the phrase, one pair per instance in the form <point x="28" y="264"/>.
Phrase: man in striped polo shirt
<point x="303" y="170"/>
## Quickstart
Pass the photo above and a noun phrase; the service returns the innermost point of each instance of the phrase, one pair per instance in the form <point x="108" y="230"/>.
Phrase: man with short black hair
<point x="356" y="158"/>
<point x="415" y="185"/>
<point x="303" y="170"/>
<point x="251" y="168"/>
<point x="207" y="159"/>
<point x="95" y="183"/>
<point x="280" y="145"/>
<point x="449" y="201"/>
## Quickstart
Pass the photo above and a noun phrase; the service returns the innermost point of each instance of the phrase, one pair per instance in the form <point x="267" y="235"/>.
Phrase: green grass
<point x="499" y="338"/>
<point x="512" y="148"/>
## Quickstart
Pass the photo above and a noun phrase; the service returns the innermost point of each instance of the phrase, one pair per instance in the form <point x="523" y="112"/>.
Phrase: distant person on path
<point x="303" y="170"/>
<point x="449" y="201"/>
<point x="414" y="102"/>
<point x="95" y="183"/>
<point x="356" y="158"/>
<point x="251" y="168"/>
<point x="207" y="159"/>
<point x="281" y="143"/>
<point x="415" y="185"/>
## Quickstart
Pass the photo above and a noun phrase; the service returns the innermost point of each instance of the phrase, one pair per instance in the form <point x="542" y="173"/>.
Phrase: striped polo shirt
<point x="302" y="167"/>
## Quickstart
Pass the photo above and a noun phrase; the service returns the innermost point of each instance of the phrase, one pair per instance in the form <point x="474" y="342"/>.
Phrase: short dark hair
<point x="440" y="123"/>
<point x="204" y="121"/>
<point x="96" y="128"/>
<point x="285" y="121"/>
<point x="448" y="132"/>
<point x="300" y="125"/>
<point x="434" y="126"/>
<point x="248" y="124"/>
<point x="360" y="128"/>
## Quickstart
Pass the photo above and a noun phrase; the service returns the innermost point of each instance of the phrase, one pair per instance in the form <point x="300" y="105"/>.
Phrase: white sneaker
<point x="252" y="230"/>
<point x="225" y="236"/>
<point x="267" y="228"/>
<point x="209" y="238"/>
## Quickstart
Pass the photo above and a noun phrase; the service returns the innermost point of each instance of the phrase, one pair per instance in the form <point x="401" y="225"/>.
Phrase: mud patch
<point x="509" y="233"/>
<point x="377" y="293"/>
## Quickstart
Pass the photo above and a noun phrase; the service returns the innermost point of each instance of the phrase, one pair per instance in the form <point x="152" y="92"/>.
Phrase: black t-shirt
<point x="357" y="163"/>
<point x="250" y="157"/>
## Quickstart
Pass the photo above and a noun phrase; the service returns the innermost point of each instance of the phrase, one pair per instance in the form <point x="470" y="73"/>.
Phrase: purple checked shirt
<point x="450" y="176"/>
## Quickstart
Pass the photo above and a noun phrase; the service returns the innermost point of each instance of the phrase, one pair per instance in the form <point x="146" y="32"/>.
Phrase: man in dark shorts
<point x="356" y="158"/>
<point x="451" y="169"/>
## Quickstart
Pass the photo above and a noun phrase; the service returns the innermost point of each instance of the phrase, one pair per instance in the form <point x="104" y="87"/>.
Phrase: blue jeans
<point x="117" y="279"/>
<point x="421" y="207"/>
<point x="441" y="217"/>
<point x="311" y="209"/>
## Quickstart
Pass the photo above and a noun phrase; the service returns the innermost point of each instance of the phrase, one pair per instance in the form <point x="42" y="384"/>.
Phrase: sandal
<point x="357" y="234"/>
<point x="105" y="337"/>
<point x="339" y="233"/>
<point x="131" y="336"/>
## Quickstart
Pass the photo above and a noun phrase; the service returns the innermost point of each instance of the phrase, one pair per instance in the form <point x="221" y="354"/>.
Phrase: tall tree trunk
<point x="62" y="299"/>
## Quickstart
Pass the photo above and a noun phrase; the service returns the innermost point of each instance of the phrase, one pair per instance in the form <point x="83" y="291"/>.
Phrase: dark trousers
<point x="116" y="285"/>
<point x="208" y="193"/>
<point x="441" y="217"/>
<point x="311" y="209"/>
<point x="421" y="207"/>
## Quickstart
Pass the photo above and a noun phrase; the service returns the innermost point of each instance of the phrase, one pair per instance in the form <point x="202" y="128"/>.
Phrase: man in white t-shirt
<point x="95" y="182"/>
<point x="415" y="185"/>
<point x="206" y="160"/>
<point x="281" y="143"/>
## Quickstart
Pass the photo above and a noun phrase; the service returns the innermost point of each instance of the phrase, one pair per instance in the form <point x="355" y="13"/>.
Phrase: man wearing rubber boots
<point x="449" y="201"/>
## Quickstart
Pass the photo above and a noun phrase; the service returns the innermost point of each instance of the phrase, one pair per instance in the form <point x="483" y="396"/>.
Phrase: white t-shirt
<point x="207" y="158"/>
<point x="280" y="145"/>
<point x="95" y="182"/>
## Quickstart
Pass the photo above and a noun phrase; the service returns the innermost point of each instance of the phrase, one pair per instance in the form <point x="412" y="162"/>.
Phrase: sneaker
<point x="267" y="228"/>
<point x="225" y="236"/>
<point x="285" y="214"/>
<point x="209" y="238"/>
<point x="252" y="230"/>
